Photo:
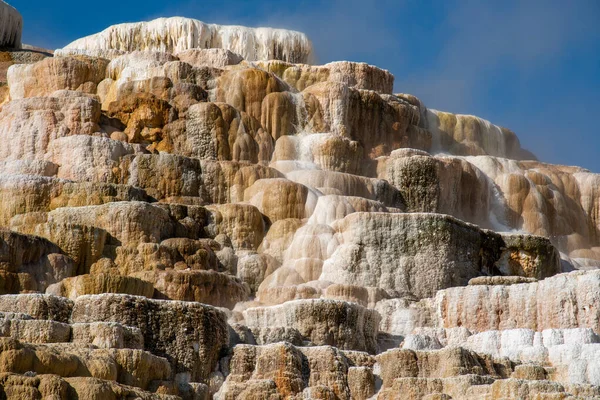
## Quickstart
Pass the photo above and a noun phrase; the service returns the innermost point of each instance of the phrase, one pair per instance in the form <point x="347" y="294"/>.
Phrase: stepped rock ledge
<point x="195" y="211"/>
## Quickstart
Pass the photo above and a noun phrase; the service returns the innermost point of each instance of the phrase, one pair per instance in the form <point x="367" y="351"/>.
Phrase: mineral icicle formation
<point x="192" y="211"/>
<point x="174" y="35"/>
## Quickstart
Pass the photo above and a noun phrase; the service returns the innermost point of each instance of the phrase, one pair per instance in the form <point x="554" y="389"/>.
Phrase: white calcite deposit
<point x="177" y="34"/>
<point x="194" y="211"/>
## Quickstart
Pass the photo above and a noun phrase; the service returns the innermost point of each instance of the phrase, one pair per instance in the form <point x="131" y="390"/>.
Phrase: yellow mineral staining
<point x="194" y="211"/>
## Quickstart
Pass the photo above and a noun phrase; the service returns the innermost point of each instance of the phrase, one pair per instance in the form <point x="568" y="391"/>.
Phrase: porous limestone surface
<point x="196" y="211"/>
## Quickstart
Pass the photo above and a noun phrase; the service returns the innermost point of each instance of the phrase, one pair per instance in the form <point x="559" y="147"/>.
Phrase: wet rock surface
<point x="194" y="211"/>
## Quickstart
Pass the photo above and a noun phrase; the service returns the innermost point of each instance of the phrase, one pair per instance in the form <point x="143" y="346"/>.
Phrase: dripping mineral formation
<point x="194" y="211"/>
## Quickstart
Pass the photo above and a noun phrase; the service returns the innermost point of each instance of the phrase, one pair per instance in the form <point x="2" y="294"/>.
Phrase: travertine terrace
<point x="195" y="211"/>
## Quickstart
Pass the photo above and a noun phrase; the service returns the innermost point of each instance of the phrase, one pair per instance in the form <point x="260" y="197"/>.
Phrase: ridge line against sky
<point x="532" y="66"/>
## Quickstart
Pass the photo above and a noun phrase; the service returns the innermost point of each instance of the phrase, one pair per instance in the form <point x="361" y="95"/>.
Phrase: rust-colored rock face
<point x="194" y="211"/>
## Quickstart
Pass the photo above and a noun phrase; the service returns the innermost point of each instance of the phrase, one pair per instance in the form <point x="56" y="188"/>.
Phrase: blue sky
<point x="531" y="65"/>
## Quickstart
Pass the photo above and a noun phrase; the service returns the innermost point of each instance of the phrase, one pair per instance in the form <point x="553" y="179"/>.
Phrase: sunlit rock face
<point x="179" y="34"/>
<point x="526" y="305"/>
<point x="189" y="325"/>
<point x="195" y="211"/>
<point x="442" y="184"/>
<point x="418" y="254"/>
<point x="322" y="322"/>
<point x="554" y="201"/>
<point x="358" y="75"/>
<point x="470" y="135"/>
<point x="408" y="254"/>
<point x="29" y="126"/>
<point x="557" y="202"/>
<point x="52" y="74"/>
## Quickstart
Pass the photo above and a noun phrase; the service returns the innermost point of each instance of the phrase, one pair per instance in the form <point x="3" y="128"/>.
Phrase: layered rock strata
<point x="194" y="211"/>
